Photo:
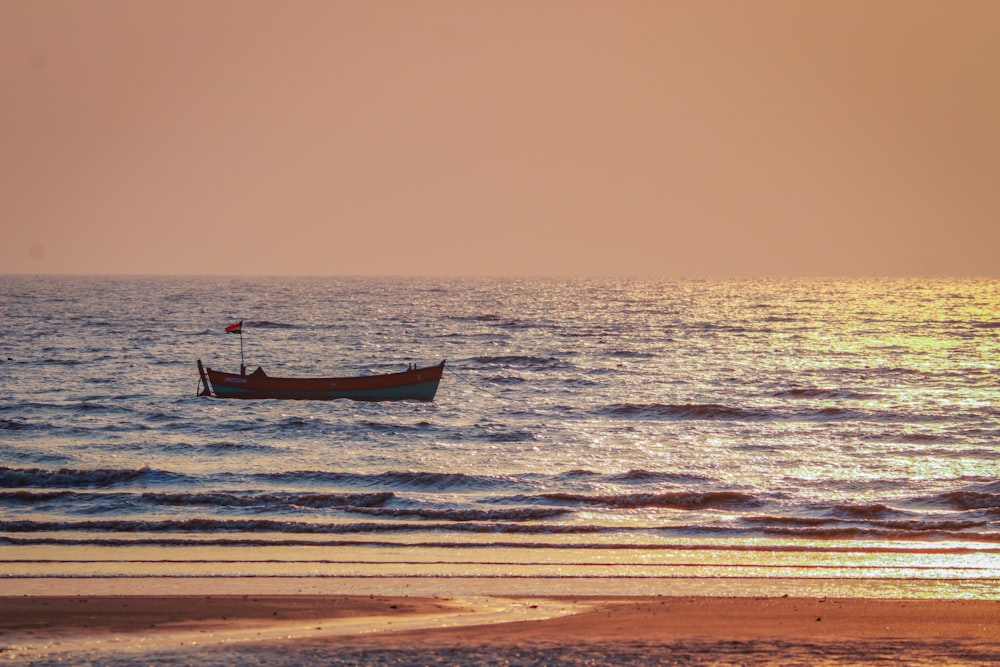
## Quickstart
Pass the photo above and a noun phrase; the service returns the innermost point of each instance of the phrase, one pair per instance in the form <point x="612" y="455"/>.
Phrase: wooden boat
<point x="416" y="384"/>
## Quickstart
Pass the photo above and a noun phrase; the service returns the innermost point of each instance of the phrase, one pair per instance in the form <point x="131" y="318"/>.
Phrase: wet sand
<point x="496" y="630"/>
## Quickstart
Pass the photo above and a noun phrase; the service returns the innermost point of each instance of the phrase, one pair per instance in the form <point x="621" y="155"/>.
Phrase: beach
<point x="495" y="630"/>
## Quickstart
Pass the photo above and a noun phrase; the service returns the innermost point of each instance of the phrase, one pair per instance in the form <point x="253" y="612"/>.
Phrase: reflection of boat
<point x="417" y="384"/>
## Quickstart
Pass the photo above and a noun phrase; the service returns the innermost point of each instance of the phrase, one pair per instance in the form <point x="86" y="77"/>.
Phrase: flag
<point x="235" y="328"/>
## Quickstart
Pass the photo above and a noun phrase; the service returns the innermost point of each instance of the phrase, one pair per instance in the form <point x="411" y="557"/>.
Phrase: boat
<point x="413" y="384"/>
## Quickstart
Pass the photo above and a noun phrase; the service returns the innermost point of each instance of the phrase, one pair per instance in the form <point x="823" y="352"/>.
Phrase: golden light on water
<point x="638" y="435"/>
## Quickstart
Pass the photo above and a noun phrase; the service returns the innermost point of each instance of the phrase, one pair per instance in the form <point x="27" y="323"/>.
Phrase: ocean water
<point x="592" y="435"/>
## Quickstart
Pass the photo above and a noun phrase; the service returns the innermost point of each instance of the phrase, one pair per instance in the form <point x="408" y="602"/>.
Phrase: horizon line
<point x="511" y="276"/>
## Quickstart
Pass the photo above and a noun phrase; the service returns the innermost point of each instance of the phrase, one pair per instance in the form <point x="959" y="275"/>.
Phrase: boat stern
<point x="205" y="384"/>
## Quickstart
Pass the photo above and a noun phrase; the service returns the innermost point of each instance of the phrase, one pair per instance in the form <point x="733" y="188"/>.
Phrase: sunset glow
<point x="444" y="137"/>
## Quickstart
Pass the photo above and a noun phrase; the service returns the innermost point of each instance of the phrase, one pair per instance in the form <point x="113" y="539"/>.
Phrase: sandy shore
<point x="711" y="629"/>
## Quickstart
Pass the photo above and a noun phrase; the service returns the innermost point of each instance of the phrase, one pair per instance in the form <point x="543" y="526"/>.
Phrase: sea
<point x="589" y="436"/>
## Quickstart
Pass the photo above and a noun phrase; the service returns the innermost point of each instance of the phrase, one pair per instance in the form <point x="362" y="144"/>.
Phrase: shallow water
<point x="584" y="430"/>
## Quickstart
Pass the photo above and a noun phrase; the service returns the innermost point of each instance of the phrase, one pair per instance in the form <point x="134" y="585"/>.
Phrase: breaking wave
<point x="71" y="478"/>
<point x="682" y="500"/>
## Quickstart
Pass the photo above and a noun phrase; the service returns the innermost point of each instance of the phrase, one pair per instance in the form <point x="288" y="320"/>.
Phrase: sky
<point x="661" y="138"/>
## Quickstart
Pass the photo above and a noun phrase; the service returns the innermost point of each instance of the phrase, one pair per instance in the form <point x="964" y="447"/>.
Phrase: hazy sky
<point x="537" y="137"/>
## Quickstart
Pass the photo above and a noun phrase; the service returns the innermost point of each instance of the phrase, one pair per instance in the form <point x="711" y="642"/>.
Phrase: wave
<point x="717" y="327"/>
<point x="32" y="497"/>
<point x="911" y="438"/>
<point x="816" y="392"/>
<point x="15" y="425"/>
<point x="684" y="411"/>
<point x="265" y="324"/>
<point x="66" y="362"/>
<point x="490" y="318"/>
<point x="988" y="486"/>
<point x="30" y="406"/>
<point x="87" y="404"/>
<point x="115" y="502"/>
<point x="424" y="481"/>
<point x="652" y="477"/>
<point x="389" y="480"/>
<point x="221" y="448"/>
<point x="71" y="478"/>
<point x="967" y="500"/>
<point x="271" y="501"/>
<point x="389" y="427"/>
<point x="902" y="526"/>
<point x="682" y="500"/>
<point x="506" y="379"/>
<point x="872" y="511"/>
<point x="525" y="361"/>
<point x="719" y="412"/>
<point x="631" y="354"/>
<point x="278" y="501"/>
<point x="577" y="473"/>
<point x="863" y="533"/>
<point x="212" y="526"/>
<point x="109" y="477"/>
<point x="518" y="514"/>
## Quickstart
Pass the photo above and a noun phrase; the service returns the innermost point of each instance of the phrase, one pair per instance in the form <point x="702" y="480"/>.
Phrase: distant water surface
<point x="585" y="430"/>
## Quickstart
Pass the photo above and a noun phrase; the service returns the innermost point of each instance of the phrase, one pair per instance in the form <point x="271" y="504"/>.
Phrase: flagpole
<point x="238" y="328"/>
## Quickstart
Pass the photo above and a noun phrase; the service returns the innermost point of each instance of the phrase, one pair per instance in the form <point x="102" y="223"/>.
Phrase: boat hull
<point x="416" y="384"/>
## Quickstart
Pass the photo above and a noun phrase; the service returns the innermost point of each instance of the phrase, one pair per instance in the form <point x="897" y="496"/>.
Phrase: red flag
<point x="235" y="328"/>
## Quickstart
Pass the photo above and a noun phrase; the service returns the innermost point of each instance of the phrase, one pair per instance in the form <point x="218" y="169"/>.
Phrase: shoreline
<point x="354" y="614"/>
<point x="986" y="588"/>
<point x="47" y="627"/>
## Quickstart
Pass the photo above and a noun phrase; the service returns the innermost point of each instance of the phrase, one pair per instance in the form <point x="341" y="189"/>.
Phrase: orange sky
<point x="525" y="137"/>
